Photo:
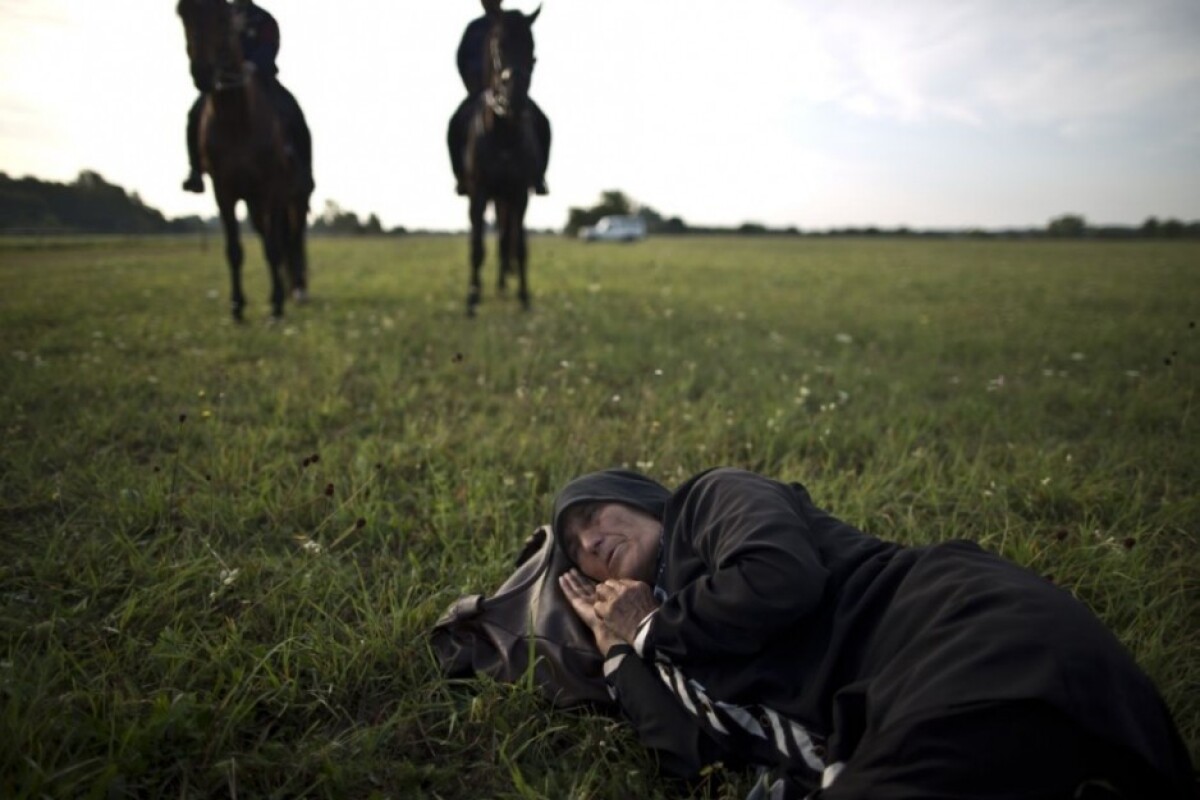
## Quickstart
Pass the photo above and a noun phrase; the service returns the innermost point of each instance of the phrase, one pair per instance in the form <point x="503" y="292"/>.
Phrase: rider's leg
<point x="298" y="134"/>
<point x="456" y="142"/>
<point x="194" y="182"/>
<point x="538" y="129"/>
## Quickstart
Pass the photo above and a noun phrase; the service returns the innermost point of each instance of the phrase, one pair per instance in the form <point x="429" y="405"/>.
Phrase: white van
<point x="616" y="228"/>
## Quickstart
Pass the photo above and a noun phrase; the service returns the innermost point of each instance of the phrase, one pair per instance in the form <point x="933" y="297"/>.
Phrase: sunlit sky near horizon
<point x="926" y="113"/>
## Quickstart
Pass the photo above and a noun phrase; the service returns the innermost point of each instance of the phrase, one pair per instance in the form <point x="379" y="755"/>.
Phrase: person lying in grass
<point x="740" y="623"/>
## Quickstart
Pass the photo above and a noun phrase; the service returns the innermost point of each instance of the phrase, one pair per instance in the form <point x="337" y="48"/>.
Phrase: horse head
<point x="510" y="61"/>
<point x="213" y="47"/>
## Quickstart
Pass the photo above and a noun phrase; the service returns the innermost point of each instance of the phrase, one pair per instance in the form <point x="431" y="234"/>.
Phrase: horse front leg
<point x="227" y="206"/>
<point x="474" y="294"/>
<point x="522" y="253"/>
<point x="297" y="257"/>
<point x="504" y="226"/>
<point x="270" y="225"/>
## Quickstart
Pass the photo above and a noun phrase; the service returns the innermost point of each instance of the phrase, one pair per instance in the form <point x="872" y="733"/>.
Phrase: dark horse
<point x="244" y="148"/>
<point x="500" y="167"/>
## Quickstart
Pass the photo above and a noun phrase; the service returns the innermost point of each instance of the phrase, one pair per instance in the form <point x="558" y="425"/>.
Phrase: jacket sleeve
<point x="262" y="47"/>
<point x="662" y="723"/>
<point x="470" y="57"/>
<point x="763" y="573"/>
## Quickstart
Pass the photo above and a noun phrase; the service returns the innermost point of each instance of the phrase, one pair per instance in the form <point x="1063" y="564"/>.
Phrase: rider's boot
<point x="194" y="182"/>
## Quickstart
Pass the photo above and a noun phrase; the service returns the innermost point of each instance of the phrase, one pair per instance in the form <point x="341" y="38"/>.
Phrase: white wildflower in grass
<point x="213" y="294"/>
<point x="645" y="466"/>
<point x="509" y="480"/>
<point x="658" y="373"/>
<point x="844" y="338"/>
<point x="996" y="384"/>
<point x="1046" y="481"/>
<point x="565" y="364"/>
<point x="311" y="546"/>
<point x="593" y="287"/>
<point x="616" y="398"/>
<point x="228" y="576"/>
<point x="1077" y="356"/>
<point x="1132" y="373"/>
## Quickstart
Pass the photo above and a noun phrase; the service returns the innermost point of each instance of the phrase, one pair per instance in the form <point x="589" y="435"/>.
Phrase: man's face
<point x="618" y="542"/>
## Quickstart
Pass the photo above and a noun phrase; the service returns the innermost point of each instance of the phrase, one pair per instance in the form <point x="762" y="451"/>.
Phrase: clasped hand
<point x="612" y="609"/>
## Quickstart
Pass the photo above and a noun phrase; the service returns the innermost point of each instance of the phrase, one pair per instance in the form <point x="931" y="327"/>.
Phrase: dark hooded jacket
<point x="470" y="54"/>
<point x="260" y="39"/>
<point x="771" y="602"/>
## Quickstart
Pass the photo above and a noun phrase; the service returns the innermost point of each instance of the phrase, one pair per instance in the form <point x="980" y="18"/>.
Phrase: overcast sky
<point x="927" y="113"/>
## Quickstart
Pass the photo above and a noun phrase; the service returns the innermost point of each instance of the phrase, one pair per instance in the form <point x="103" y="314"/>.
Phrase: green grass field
<point x="222" y="547"/>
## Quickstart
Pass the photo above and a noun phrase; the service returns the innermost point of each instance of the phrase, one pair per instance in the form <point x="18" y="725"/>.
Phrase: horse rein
<point x="226" y="81"/>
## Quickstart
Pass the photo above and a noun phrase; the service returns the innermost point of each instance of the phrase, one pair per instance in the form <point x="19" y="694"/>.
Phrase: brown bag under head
<point x="528" y="615"/>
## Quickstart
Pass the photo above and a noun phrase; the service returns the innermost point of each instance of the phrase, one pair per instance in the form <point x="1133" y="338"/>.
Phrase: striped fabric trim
<point x="643" y="631"/>
<point x="831" y="772"/>
<point x="789" y="739"/>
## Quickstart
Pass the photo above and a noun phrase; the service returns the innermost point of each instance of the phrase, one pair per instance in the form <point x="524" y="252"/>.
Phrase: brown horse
<point x="500" y="164"/>
<point x="244" y="148"/>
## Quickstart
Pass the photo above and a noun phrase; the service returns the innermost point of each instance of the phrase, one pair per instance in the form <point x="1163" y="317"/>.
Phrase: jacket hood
<point x="611" y="486"/>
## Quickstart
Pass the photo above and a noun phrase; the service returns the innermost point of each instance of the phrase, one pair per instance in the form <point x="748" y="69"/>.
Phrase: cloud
<point x="1065" y="64"/>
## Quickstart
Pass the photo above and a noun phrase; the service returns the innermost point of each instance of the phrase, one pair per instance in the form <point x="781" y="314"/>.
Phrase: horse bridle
<point x="227" y="77"/>
<point x="498" y="102"/>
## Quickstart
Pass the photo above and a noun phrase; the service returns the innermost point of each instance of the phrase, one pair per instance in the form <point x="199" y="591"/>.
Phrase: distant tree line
<point x="615" y="202"/>
<point x="1067" y="226"/>
<point x="88" y="205"/>
<point x="337" y="221"/>
<point x="1074" y="226"/>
